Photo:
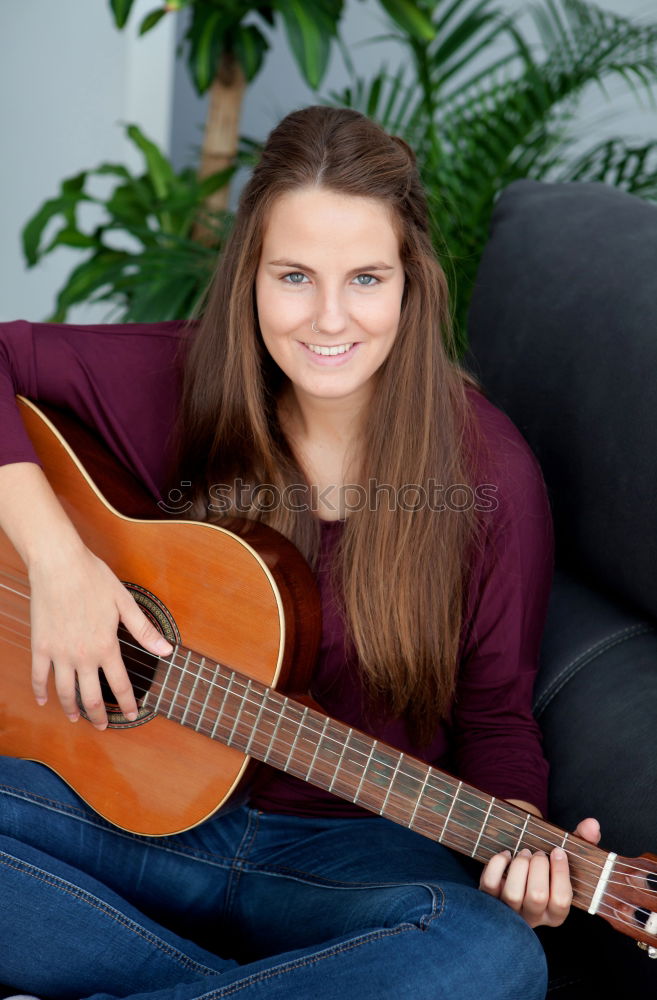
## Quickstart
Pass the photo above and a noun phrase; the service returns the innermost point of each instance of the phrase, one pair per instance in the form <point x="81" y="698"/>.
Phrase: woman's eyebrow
<point x="379" y="266"/>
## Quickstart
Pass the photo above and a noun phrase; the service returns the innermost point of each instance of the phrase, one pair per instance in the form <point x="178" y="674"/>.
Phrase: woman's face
<point x="334" y="260"/>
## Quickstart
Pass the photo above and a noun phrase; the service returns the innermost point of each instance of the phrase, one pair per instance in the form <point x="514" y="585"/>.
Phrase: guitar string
<point x="589" y="885"/>
<point x="605" y="908"/>
<point x="584" y="882"/>
<point x="214" y="684"/>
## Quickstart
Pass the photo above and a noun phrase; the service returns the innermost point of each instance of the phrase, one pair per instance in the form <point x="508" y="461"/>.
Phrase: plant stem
<point x="221" y="135"/>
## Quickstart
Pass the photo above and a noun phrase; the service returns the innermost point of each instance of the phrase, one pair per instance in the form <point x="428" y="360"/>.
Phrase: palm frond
<point x="620" y="163"/>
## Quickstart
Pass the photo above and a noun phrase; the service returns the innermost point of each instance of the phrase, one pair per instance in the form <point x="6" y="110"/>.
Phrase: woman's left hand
<point x="534" y="885"/>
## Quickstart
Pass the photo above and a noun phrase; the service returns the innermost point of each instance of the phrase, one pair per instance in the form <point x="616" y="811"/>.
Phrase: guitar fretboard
<point x="259" y="721"/>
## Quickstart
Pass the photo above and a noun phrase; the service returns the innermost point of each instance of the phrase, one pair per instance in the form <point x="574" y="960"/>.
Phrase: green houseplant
<point x="176" y="221"/>
<point x="480" y="106"/>
<point x="226" y="49"/>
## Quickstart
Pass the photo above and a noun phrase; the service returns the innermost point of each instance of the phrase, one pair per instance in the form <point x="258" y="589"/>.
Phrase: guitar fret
<point x="191" y="699"/>
<point x="344" y="761"/>
<point x="442" y="832"/>
<point x="183" y="670"/>
<point x="318" y="745"/>
<point x="164" y="683"/>
<point x="522" y="834"/>
<point x="339" y="763"/>
<point x="310" y="726"/>
<point x="392" y="780"/>
<point x="256" y="722"/>
<point x="365" y="767"/>
<point x="278" y="722"/>
<point x="483" y="827"/>
<point x="223" y="703"/>
<point x="419" y="798"/>
<point x="199" y="721"/>
<point x="296" y="737"/>
<point x="244" y="700"/>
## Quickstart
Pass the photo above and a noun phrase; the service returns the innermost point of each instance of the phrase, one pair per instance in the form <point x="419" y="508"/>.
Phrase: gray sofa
<point x="563" y="334"/>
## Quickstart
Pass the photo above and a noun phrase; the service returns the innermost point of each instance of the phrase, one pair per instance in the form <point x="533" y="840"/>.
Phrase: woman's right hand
<point x="76" y="605"/>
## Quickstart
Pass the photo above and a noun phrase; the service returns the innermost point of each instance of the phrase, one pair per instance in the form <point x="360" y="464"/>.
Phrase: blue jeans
<point x="248" y="903"/>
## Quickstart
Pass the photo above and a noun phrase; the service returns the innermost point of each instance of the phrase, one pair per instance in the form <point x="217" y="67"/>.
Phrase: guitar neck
<point x="259" y="721"/>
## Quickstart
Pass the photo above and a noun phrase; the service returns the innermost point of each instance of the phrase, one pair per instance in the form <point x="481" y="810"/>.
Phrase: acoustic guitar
<point x="240" y="607"/>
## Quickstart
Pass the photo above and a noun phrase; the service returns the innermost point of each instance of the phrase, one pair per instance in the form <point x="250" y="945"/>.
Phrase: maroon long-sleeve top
<point x="123" y="380"/>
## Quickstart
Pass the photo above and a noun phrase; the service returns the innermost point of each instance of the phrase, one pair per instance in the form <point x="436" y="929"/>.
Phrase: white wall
<point x="68" y="78"/>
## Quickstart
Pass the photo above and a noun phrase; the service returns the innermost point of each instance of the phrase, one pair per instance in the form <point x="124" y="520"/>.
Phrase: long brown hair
<point x="402" y="573"/>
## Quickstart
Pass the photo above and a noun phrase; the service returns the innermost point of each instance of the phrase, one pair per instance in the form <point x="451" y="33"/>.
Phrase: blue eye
<point x="298" y="274"/>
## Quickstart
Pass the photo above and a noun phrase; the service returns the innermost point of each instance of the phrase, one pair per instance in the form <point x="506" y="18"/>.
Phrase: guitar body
<point x="240" y="606"/>
<point x="244" y="596"/>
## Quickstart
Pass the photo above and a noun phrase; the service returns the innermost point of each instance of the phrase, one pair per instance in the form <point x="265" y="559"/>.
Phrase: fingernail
<point x="74" y="718"/>
<point x="41" y="701"/>
<point x="131" y="716"/>
<point x="162" y="646"/>
<point x="558" y="854"/>
<point x="525" y="852"/>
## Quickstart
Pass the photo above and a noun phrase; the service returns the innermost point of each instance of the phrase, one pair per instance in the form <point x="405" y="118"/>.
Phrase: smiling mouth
<point x="330" y="351"/>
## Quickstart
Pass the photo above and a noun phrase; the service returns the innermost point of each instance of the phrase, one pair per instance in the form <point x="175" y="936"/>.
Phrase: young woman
<point x="322" y="367"/>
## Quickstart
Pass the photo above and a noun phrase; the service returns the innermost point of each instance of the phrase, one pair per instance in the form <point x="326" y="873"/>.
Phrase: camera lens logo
<point x="175" y="502"/>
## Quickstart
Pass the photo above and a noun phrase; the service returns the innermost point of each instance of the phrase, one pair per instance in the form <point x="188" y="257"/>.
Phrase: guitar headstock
<point x="629" y="901"/>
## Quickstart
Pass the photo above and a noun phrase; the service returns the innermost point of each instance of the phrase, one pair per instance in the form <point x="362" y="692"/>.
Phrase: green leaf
<point x="85" y="279"/>
<point x="121" y="10"/>
<point x="152" y="19"/>
<point x="128" y="206"/>
<point x="113" y="168"/>
<point x="33" y="230"/>
<point x="160" y="170"/>
<point x="70" y="237"/>
<point x="309" y="30"/>
<point x="73" y="185"/>
<point x="465" y="41"/>
<point x="71" y="190"/>
<point x="410" y="19"/>
<point x="207" y="36"/>
<point x="161" y="298"/>
<point x="250" y="46"/>
<point x="215" y="181"/>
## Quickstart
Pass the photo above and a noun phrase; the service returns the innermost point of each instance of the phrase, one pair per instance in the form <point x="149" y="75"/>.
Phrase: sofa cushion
<point x="563" y="334"/>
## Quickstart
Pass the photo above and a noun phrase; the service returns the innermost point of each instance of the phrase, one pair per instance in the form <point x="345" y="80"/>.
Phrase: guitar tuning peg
<point x="650" y="926"/>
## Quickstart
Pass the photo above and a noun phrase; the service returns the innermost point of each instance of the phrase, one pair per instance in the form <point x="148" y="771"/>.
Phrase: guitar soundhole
<point x="139" y="663"/>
